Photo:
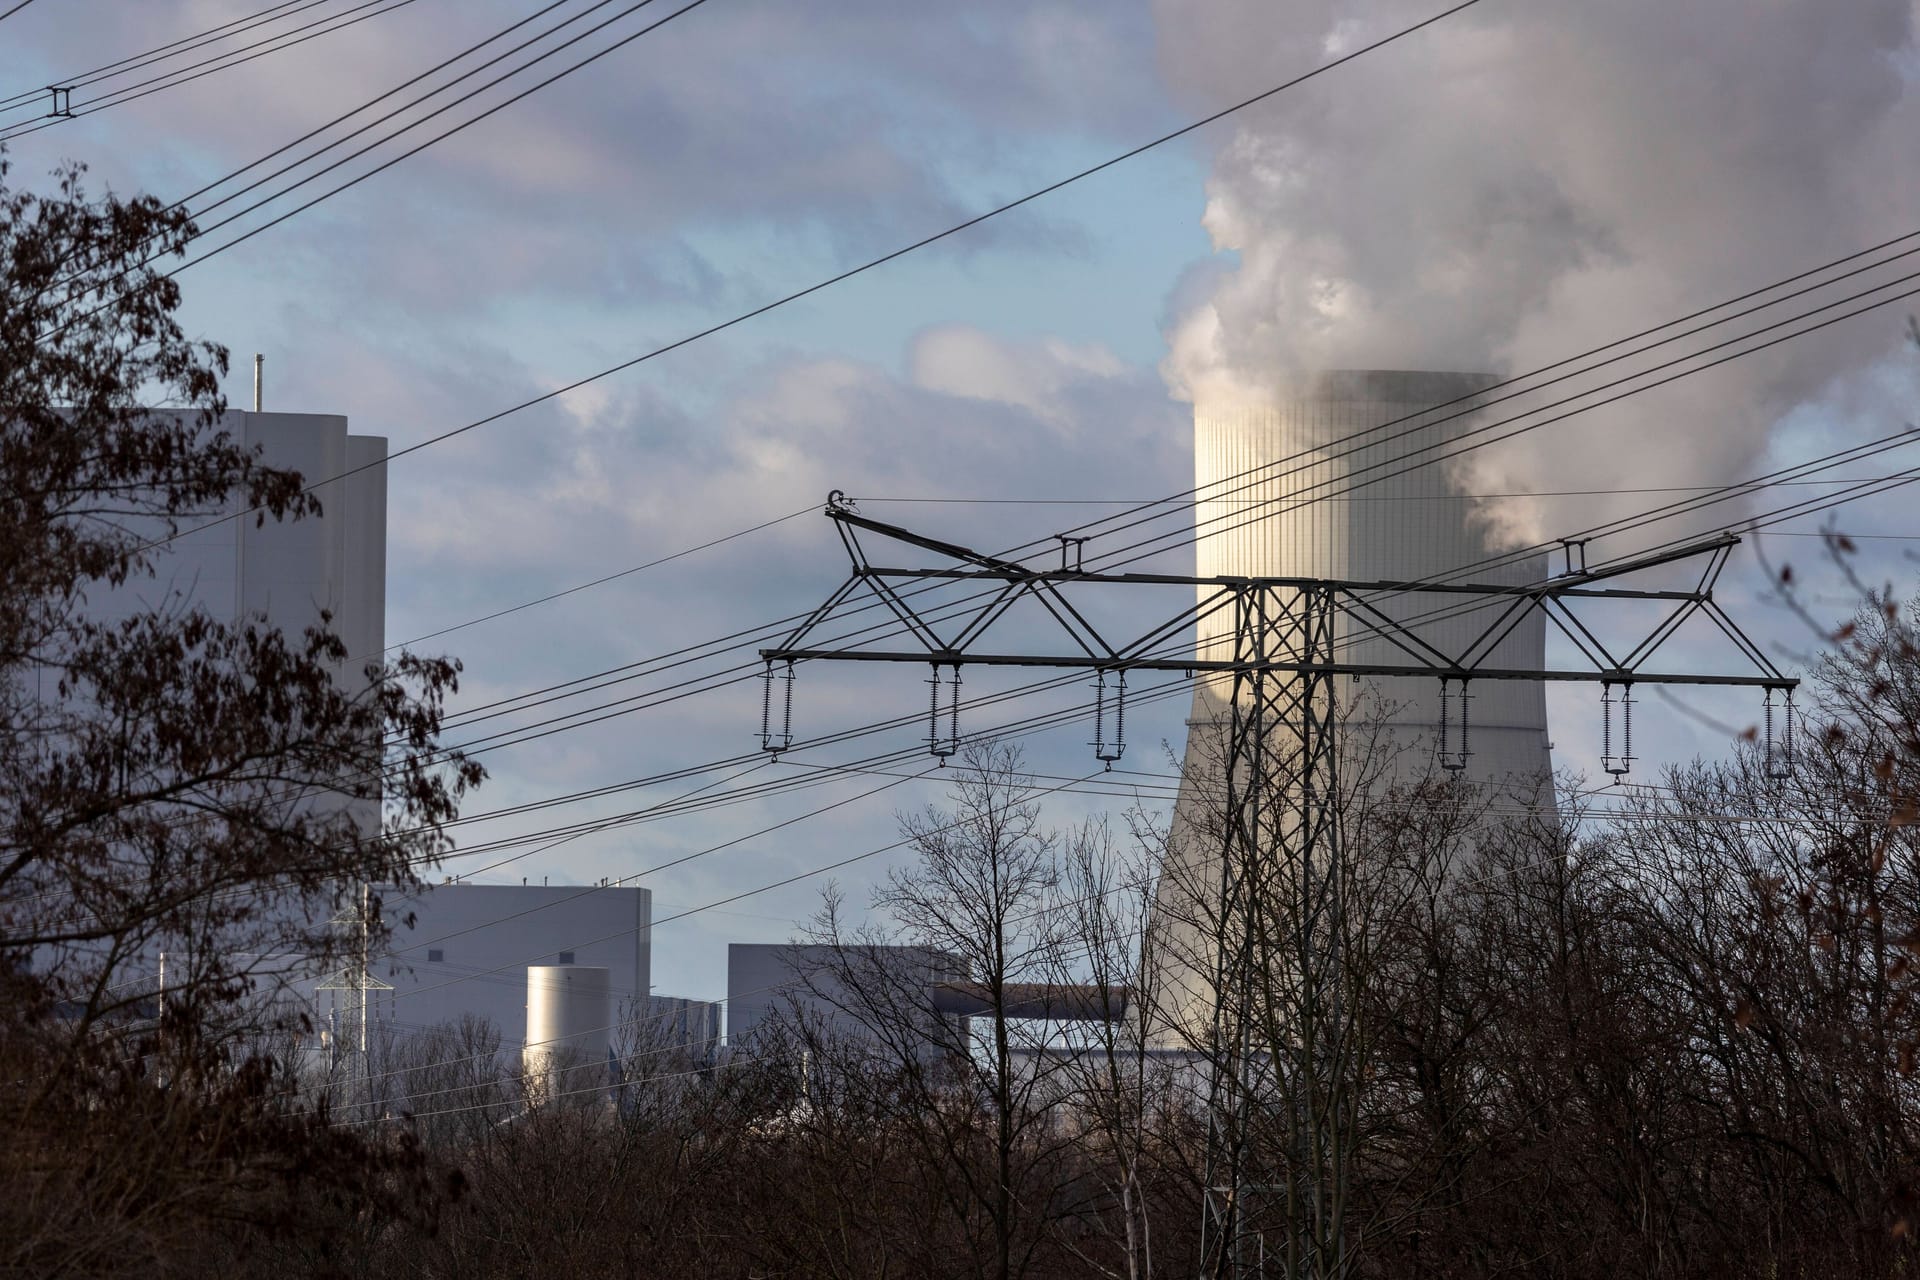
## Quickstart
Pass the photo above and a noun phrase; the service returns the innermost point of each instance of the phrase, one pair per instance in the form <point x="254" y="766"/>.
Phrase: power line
<point x="602" y="581"/>
<point x="1794" y="511"/>
<point x="183" y="201"/>
<point x="16" y="8"/>
<point x="222" y="62"/>
<point x="382" y="97"/>
<point x="412" y="151"/>
<point x="600" y="824"/>
<point x="80" y="77"/>
<point x="744" y="670"/>
<point x="864" y="267"/>
<point x="526" y="737"/>
<point x="1803" y="507"/>
<point x="716" y="905"/>
<point x="1069" y="784"/>
<point x="1352" y="436"/>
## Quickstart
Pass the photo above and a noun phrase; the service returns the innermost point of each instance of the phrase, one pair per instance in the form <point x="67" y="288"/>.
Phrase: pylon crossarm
<point x="1741" y="640"/>
<point x="1589" y="645"/>
<point x="1662" y="633"/>
<point x="1383" y="626"/>
<point x="1285" y="666"/>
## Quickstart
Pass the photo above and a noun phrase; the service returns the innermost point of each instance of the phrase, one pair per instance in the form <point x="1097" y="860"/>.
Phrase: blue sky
<point x="1499" y="191"/>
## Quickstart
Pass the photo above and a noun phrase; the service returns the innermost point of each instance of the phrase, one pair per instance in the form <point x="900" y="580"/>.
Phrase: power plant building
<point x="837" y="992"/>
<point x="464" y="950"/>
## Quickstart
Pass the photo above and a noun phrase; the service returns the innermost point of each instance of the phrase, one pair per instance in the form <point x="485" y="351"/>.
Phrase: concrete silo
<point x="569" y="1031"/>
<point x="1330" y="497"/>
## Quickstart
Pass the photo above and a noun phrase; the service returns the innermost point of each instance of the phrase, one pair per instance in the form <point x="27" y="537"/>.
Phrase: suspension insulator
<point x="1626" y="727"/>
<point x="1787" y="754"/>
<point x="942" y="745"/>
<point x="1103" y="750"/>
<point x="953" y="713"/>
<point x="1454" y="759"/>
<point x="1617" y="765"/>
<point x="773" y="739"/>
<point x="1779" y="749"/>
<point x="1767" y="731"/>
<point x="1466" y="725"/>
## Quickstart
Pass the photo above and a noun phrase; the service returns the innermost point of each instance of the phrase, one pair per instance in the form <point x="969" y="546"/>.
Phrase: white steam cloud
<point x="1530" y="178"/>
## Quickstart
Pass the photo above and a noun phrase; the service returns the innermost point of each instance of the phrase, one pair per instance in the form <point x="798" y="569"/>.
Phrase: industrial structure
<point x="325" y="569"/>
<point x="460" y="950"/>
<point x="1313" y="482"/>
<point x="831" y="991"/>
<point x="1260" y="954"/>
<point x="569" y="1043"/>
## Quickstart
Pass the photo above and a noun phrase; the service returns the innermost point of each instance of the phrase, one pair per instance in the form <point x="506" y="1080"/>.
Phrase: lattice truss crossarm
<point x="955" y="636"/>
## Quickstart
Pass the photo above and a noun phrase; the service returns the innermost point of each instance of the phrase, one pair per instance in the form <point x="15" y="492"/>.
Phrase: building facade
<point x="463" y="950"/>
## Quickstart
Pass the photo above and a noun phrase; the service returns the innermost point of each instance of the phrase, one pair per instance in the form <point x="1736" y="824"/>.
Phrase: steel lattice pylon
<point x="1278" y="1056"/>
<point x="1282" y="863"/>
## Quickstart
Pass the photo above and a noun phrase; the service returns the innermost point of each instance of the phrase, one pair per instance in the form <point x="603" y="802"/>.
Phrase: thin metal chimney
<point x="259" y="365"/>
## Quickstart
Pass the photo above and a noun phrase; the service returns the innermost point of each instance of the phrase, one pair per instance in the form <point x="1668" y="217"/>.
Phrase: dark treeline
<point x="1678" y="1042"/>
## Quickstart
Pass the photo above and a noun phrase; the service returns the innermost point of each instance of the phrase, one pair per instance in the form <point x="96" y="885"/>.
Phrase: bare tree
<point x="976" y="1097"/>
<point x="170" y="780"/>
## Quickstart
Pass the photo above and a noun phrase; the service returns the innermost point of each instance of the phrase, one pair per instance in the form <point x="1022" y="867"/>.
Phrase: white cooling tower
<point x="1325" y="504"/>
<point x="569" y="1025"/>
<point x="1314" y="483"/>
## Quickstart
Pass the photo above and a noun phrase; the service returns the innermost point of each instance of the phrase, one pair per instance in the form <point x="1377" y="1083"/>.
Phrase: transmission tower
<point x="358" y="981"/>
<point x="1277" y="916"/>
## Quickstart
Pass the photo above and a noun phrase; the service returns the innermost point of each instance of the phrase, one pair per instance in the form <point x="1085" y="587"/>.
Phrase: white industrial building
<point x="462" y="950"/>
<point x="295" y="574"/>
<point x="771" y="984"/>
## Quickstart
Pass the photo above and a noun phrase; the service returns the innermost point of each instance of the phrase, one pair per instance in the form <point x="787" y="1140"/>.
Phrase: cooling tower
<point x="1304" y="485"/>
<point x="1327" y="505"/>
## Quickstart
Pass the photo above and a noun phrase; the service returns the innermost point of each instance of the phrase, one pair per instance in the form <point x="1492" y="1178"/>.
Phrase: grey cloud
<point x="817" y="132"/>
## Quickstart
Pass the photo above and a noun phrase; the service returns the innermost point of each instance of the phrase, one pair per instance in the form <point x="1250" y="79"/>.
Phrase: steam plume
<point x="1533" y="177"/>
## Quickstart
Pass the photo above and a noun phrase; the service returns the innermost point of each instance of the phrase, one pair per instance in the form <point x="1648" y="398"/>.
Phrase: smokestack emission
<point x="1519" y="183"/>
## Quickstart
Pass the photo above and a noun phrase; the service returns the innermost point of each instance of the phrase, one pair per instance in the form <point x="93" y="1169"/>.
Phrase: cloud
<point x="756" y="130"/>
<point x="1518" y="183"/>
